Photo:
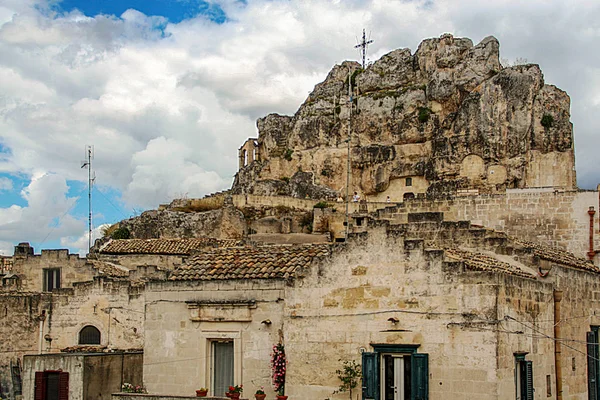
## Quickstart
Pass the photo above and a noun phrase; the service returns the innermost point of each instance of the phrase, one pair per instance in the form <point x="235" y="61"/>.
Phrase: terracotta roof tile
<point x="482" y="262"/>
<point x="164" y="246"/>
<point x="558" y="256"/>
<point x="264" y="262"/>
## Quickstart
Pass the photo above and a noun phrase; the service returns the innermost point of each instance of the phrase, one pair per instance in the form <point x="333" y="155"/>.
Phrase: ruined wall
<point x="179" y="333"/>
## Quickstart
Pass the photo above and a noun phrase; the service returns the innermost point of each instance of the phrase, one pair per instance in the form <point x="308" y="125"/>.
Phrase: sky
<point x="167" y="90"/>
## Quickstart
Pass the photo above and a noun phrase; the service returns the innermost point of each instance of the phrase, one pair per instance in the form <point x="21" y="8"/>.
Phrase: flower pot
<point x="228" y="395"/>
<point x="260" y="396"/>
<point x="281" y="397"/>
<point x="201" y="393"/>
<point x="235" y="396"/>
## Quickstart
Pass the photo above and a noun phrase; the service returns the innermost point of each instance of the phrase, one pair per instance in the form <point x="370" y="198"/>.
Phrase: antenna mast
<point x="89" y="153"/>
<point x="363" y="47"/>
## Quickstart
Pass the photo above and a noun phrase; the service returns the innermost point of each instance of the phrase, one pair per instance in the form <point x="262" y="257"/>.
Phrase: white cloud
<point x="167" y="105"/>
<point x="45" y="218"/>
<point x="79" y="243"/>
<point x="5" y="184"/>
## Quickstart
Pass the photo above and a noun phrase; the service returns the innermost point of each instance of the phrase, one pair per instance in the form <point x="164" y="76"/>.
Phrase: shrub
<point x="121" y="233"/>
<point x="424" y="114"/>
<point x="350" y="374"/>
<point x="322" y="204"/>
<point x="288" y="154"/>
<point x="547" y="121"/>
<point x="286" y="179"/>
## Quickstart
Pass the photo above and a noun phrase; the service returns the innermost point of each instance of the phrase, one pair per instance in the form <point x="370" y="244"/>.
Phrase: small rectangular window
<point x="408" y="181"/>
<point x="548" y="386"/>
<point x="51" y="279"/>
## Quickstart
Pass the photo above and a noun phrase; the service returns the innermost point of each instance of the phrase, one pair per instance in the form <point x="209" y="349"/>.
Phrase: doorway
<point x="396" y="373"/>
<point x="222" y="366"/>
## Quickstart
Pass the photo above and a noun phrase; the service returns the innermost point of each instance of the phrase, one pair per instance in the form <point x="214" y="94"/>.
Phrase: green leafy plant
<point x="547" y="121"/>
<point x="261" y="390"/>
<point x="121" y="233"/>
<point x="286" y="179"/>
<point x="322" y="204"/>
<point x="424" y="114"/>
<point x="288" y="154"/>
<point x="129" y="388"/>
<point x="349" y="374"/>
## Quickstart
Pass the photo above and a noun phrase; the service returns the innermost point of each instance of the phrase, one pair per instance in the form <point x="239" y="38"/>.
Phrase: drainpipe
<point x="557" y="345"/>
<point x="42" y="318"/>
<point x="592" y="252"/>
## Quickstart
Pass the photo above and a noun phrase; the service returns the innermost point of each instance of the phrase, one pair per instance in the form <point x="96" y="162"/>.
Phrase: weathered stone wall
<point x="555" y="218"/>
<point x="20" y="316"/>
<point x="91" y="376"/>
<point x="178" y="333"/>
<point x="115" y="308"/>
<point x="343" y="307"/>
<point x="30" y="269"/>
<point x="73" y="364"/>
<point x="132" y="261"/>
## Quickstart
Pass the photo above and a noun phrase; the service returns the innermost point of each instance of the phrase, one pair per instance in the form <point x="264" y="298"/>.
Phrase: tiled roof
<point x="482" y="262"/>
<point x="109" y="269"/>
<point x="558" y="256"/>
<point x="164" y="246"/>
<point x="264" y="262"/>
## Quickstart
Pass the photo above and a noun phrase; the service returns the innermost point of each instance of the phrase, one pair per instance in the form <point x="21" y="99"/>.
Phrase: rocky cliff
<point x="444" y="119"/>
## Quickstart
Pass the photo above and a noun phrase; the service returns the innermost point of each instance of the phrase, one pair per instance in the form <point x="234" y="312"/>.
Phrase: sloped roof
<point x="557" y="255"/>
<point x="164" y="246"/>
<point x="482" y="262"/>
<point x="264" y="262"/>
<point x="109" y="269"/>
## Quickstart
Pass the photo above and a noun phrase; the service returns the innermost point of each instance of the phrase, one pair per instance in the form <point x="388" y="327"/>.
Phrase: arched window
<point x="89" y="335"/>
<point x="409" y="195"/>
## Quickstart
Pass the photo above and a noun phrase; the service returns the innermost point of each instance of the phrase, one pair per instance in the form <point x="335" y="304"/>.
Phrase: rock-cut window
<point x="89" y="335"/>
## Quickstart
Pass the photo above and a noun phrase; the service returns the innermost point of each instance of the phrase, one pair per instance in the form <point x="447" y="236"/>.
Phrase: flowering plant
<point x="129" y="388"/>
<point x="203" y="389"/>
<point x="261" y="390"/>
<point x="278" y="365"/>
<point x="236" y="389"/>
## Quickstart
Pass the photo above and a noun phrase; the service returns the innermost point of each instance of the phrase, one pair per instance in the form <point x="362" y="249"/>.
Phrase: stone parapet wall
<point x="250" y="200"/>
<point x="148" y="396"/>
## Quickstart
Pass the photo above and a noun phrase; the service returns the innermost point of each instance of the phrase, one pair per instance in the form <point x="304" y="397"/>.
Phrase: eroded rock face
<point x="446" y="118"/>
<point x="223" y="223"/>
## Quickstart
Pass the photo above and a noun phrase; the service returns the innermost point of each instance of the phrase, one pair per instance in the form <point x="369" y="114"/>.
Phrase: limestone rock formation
<point x="446" y="118"/>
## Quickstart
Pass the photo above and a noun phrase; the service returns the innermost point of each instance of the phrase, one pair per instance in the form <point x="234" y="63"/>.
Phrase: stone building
<point x="436" y="308"/>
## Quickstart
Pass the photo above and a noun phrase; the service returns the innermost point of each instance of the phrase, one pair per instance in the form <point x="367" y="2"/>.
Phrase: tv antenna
<point x="363" y="47"/>
<point x="89" y="154"/>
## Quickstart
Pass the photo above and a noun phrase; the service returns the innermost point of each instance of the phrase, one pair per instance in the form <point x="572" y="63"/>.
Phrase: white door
<point x="395" y="370"/>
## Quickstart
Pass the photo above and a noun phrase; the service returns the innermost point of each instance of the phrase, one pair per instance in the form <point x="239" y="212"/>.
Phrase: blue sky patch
<point x="174" y="10"/>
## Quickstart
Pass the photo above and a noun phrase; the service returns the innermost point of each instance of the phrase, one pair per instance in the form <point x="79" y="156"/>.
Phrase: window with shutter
<point x="370" y="378"/>
<point x="40" y="387"/>
<point x="420" y="376"/>
<point x="63" y="386"/>
<point x="593" y="365"/>
<point x="529" y="380"/>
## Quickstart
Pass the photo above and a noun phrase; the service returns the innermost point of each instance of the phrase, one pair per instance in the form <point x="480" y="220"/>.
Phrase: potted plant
<point x="235" y="392"/>
<point x="202" y="392"/>
<point x="260" y="394"/>
<point x="278" y="366"/>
